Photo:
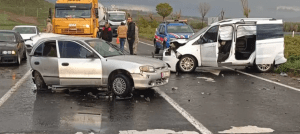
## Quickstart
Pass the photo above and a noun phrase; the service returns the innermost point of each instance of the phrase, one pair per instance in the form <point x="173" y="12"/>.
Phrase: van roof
<point x="235" y="20"/>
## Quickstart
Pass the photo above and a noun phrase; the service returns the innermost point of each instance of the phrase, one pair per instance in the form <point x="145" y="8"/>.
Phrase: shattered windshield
<point x="103" y="48"/>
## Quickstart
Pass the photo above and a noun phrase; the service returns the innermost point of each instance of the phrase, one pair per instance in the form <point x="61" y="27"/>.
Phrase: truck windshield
<point x="103" y="48"/>
<point x="73" y="13"/>
<point x="116" y="16"/>
<point x="180" y="29"/>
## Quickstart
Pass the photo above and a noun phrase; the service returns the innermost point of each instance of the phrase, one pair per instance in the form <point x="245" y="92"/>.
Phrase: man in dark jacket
<point x="131" y="34"/>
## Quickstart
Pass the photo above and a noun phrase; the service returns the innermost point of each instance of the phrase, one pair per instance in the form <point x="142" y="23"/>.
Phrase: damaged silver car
<point x="87" y="62"/>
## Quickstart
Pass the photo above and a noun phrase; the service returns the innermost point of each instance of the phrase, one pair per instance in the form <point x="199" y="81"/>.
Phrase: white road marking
<point x="146" y="43"/>
<point x="184" y="113"/>
<point x="14" y="88"/>
<point x="207" y="79"/>
<point x="156" y="131"/>
<point x="247" y="130"/>
<point x="280" y="84"/>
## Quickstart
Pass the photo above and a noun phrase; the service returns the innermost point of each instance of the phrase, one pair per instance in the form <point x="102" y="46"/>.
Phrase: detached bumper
<point x="149" y="80"/>
<point x="171" y="60"/>
<point x="8" y="59"/>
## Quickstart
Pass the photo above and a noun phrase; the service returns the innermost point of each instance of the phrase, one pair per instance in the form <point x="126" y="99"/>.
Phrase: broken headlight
<point x="149" y="69"/>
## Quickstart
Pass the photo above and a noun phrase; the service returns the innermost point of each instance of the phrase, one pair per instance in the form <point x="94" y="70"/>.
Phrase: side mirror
<point x="90" y="55"/>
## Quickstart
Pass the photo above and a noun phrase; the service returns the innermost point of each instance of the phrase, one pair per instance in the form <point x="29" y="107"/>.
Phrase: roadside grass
<point x="6" y="24"/>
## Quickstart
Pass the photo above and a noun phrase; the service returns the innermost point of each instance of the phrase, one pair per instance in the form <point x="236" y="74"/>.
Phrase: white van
<point x="244" y="42"/>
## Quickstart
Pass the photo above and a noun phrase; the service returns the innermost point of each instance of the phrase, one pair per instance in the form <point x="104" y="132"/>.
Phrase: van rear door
<point x="269" y="41"/>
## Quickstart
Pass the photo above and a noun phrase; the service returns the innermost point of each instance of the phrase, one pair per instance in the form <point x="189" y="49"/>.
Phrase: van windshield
<point x="198" y="33"/>
<point x="116" y="16"/>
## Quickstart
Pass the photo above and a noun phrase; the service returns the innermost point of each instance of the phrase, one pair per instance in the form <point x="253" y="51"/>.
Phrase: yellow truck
<point x="76" y="17"/>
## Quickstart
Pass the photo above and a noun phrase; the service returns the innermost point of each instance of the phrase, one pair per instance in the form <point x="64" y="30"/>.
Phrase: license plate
<point x="165" y="74"/>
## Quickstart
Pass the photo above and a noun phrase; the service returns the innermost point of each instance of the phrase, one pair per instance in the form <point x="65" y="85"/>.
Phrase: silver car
<point x="88" y="62"/>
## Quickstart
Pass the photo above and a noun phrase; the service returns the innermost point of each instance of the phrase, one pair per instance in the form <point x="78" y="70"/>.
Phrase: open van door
<point x="269" y="41"/>
<point x="209" y="47"/>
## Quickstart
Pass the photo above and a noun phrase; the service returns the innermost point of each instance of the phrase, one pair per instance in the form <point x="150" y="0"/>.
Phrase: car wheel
<point x="121" y="85"/>
<point x="18" y="60"/>
<point x="187" y="64"/>
<point x="24" y="55"/>
<point x="39" y="82"/>
<point x="264" y="68"/>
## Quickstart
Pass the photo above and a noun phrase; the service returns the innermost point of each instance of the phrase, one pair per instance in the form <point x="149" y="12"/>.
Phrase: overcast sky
<point x="289" y="10"/>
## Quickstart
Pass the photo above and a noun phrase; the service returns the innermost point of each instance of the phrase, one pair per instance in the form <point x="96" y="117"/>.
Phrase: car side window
<point x="39" y="50"/>
<point x="50" y="49"/>
<point x="69" y="49"/>
<point x="211" y="35"/>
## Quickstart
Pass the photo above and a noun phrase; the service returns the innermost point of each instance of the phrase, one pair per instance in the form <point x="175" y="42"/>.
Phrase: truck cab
<point x="114" y="18"/>
<point x="79" y="18"/>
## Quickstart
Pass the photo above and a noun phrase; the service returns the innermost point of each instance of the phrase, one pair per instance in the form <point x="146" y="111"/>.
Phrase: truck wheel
<point x="264" y="68"/>
<point x="39" y="82"/>
<point x="187" y="64"/>
<point x="121" y="85"/>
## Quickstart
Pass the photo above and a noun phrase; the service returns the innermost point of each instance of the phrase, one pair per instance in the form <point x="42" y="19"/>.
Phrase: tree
<point x="203" y="9"/>
<point x="246" y="9"/>
<point x="164" y="10"/>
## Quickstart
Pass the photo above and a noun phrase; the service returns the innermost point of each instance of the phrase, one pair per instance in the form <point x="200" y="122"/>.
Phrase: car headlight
<point x="4" y="52"/>
<point x="8" y="52"/>
<point x="147" y="69"/>
<point x="13" y="52"/>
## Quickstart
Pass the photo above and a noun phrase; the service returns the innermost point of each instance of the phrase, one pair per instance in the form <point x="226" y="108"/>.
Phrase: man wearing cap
<point x="49" y="26"/>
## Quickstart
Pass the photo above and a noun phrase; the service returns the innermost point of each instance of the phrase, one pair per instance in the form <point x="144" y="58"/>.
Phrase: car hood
<point x="140" y="60"/>
<point x="27" y="36"/>
<point x="8" y="45"/>
<point x="180" y="35"/>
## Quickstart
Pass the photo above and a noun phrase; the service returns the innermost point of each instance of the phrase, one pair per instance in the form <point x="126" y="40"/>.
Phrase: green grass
<point x="33" y="8"/>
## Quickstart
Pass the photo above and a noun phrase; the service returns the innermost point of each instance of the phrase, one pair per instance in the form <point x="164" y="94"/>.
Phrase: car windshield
<point x="73" y="13"/>
<point x="103" y="48"/>
<point x="116" y="16"/>
<point x="7" y="37"/>
<point x="25" y="30"/>
<point x="180" y="29"/>
<point x="198" y="33"/>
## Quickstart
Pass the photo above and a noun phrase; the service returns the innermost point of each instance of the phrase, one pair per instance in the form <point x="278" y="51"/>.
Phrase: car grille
<point x="72" y="31"/>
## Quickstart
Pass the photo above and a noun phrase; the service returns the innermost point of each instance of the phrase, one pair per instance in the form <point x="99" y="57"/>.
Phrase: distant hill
<point x="17" y="12"/>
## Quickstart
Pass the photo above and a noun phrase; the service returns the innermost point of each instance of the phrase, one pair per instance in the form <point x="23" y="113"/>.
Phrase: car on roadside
<point x="27" y="31"/>
<point x="89" y="62"/>
<point x="12" y="47"/>
<point x="170" y="30"/>
<point x="254" y="42"/>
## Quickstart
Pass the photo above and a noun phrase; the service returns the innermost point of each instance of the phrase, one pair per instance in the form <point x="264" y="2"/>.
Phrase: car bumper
<point x="8" y="59"/>
<point x="171" y="60"/>
<point x="149" y="80"/>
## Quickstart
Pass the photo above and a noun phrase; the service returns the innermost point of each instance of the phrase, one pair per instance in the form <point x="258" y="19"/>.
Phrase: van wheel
<point x="39" y="82"/>
<point x="264" y="68"/>
<point x="121" y="85"/>
<point x="187" y="64"/>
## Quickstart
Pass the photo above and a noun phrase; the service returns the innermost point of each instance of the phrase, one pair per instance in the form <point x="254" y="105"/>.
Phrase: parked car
<point x="12" y="48"/>
<point x="89" y="62"/>
<point x="243" y="42"/>
<point x="169" y="31"/>
<point x="27" y="31"/>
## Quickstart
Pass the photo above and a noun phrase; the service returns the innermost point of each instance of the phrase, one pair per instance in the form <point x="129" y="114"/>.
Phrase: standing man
<point x="130" y="34"/>
<point x="122" y="35"/>
<point x="136" y="41"/>
<point x="49" y="26"/>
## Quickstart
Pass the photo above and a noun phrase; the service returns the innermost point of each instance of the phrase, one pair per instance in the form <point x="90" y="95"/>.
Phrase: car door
<point x="45" y="61"/>
<point x="269" y="41"/>
<point x="76" y="68"/>
<point x="209" y="47"/>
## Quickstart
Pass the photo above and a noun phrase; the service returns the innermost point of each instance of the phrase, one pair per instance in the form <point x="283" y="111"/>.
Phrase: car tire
<point x="39" y="82"/>
<point x="263" y="68"/>
<point x="187" y="64"/>
<point x="18" y="60"/>
<point x="121" y="85"/>
<point x="24" y="55"/>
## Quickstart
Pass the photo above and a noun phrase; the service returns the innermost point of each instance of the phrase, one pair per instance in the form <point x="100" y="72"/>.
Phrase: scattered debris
<point x="90" y="94"/>
<point x="264" y="88"/>
<point x="215" y="72"/>
<point x="174" y="88"/>
<point x="222" y="75"/>
<point x="207" y="79"/>
<point x="147" y="99"/>
<point x="202" y="93"/>
<point x="142" y="96"/>
<point x="246" y="129"/>
<point x="283" y="74"/>
<point x="274" y="79"/>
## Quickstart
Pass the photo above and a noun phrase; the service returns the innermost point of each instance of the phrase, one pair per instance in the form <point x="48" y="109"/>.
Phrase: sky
<point x="288" y="10"/>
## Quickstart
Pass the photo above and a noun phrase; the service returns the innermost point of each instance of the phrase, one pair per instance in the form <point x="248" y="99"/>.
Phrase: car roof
<point x="25" y="26"/>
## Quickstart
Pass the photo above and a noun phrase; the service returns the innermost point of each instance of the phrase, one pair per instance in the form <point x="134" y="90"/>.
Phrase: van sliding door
<point x="269" y="41"/>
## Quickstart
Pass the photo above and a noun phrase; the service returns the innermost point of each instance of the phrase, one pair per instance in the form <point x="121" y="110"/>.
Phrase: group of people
<point x="125" y="32"/>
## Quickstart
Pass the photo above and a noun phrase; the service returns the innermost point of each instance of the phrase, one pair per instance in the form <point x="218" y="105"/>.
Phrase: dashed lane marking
<point x="280" y="84"/>
<point x="14" y="88"/>
<point x="184" y="113"/>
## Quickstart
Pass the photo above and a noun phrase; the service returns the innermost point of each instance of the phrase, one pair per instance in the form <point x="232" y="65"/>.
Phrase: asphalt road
<point x="216" y="100"/>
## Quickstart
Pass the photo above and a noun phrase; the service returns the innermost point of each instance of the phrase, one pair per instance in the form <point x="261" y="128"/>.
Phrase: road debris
<point x="147" y="99"/>
<point x="174" y="88"/>
<point x="275" y="79"/>
<point x="207" y="79"/>
<point x="283" y="74"/>
<point x="246" y="129"/>
<point x="142" y="96"/>
<point x="90" y="94"/>
<point x="222" y="75"/>
<point x="264" y="88"/>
